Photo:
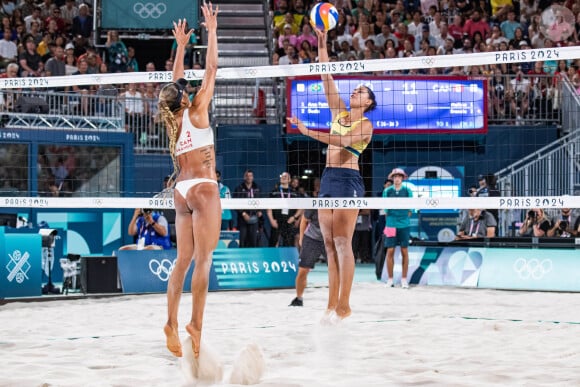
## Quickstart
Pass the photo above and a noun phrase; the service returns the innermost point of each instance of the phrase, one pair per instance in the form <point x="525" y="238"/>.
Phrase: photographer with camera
<point x="151" y="229"/>
<point x="564" y="226"/>
<point x="536" y="224"/>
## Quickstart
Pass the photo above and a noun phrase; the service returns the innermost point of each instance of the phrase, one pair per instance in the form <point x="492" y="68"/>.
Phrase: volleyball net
<point x="451" y="122"/>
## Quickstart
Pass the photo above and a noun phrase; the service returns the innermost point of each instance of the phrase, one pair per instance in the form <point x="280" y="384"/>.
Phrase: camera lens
<point x="532" y="213"/>
<point x="563" y="225"/>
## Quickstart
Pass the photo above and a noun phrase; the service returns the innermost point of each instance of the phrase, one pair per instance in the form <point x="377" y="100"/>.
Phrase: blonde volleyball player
<point x="197" y="198"/>
<point x="349" y="135"/>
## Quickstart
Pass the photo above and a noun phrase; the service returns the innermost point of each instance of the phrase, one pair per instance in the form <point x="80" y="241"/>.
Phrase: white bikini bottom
<point x="185" y="185"/>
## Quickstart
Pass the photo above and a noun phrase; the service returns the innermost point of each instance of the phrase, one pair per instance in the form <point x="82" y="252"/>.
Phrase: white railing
<point x="551" y="170"/>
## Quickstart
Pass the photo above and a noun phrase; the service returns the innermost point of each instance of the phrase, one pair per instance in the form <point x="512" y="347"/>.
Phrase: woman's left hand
<point x="181" y="37"/>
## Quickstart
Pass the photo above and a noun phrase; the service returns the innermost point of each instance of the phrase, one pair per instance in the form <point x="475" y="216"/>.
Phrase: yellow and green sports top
<point x="336" y="128"/>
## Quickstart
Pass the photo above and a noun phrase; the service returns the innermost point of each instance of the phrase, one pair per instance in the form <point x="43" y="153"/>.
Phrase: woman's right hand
<point x="181" y="37"/>
<point x="322" y="37"/>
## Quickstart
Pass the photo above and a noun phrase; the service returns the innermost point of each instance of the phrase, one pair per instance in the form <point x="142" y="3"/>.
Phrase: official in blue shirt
<point x="398" y="226"/>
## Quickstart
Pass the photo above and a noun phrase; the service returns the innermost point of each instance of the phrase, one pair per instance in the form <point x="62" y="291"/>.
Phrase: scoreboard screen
<point x="405" y="105"/>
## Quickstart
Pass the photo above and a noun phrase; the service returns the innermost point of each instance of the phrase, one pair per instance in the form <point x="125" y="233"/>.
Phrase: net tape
<point x="420" y="62"/>
<point x="502" y="203"/>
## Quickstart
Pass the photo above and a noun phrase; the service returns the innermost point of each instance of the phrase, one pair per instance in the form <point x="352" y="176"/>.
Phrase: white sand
<point x="395" y="337"/>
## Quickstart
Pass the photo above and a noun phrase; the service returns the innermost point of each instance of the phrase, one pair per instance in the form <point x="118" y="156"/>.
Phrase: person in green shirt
<point x="398" y="226"/>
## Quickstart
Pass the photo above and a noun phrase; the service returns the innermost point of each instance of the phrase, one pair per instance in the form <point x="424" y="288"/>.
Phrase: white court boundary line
<point x="420" y="62"/>
<point x="501" y="203"/>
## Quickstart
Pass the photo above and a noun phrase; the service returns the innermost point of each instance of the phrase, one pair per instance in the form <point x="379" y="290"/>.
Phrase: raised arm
<point x="205" y="93"/>
<point x="335" y="103"/>
<point x="181" y="38"/>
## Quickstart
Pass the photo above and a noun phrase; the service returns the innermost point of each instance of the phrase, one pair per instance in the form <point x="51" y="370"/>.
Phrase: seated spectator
<point x="30" y="62"/>
<point x="345" y="52"/>
<point x="536" y="224"/>
<point x="385" y="35"/>
<point x="476" y="23"/>
<point x="8" y="49"/>
<point x="564" y="226"/>
<point x="68" y="12"/>
<point x="151" y="230"/>
<point x="308" y="36"/>
<point x="478" y="224"/>
<point x="287" y="34"/>
<point x="509" y="26"/>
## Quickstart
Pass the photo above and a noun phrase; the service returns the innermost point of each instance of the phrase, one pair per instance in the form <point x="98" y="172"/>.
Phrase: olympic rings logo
<point x="161" y="269"/>
<point x="533" y="268"/>
<point x="98" y="202"/>
<point x="253" y="203"/>
<point x="432" y="202"/>
<point x="428" y="61"/>
<point x="251" y="72"/>
<point x="149" y="10"/>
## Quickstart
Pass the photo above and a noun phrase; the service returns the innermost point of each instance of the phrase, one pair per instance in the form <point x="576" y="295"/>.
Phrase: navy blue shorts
<point x="402" y="238"/>
<point x="341" y="183"/>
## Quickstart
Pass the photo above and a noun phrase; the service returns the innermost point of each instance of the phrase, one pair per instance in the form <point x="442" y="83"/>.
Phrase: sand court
<point x="423" y="336"/>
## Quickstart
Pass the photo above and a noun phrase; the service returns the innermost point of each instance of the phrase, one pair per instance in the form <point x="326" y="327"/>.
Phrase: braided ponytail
<point x="172" y="127"/>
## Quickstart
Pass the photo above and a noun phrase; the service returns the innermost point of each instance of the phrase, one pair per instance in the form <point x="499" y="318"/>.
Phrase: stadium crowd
<point x="372" y="29"/>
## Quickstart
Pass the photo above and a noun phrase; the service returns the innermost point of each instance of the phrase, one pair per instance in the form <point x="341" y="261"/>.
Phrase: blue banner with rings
<point x="148" y="271"/>
<point x="530" y="269"/>
<point x="147" y="14"/>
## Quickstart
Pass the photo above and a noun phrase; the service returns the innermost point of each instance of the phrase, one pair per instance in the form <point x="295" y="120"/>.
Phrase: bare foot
<point x="343" y="313"/>
<point x="327" y="316"/>
<point x="173" y="343"/>
<point x="195" y="338"/>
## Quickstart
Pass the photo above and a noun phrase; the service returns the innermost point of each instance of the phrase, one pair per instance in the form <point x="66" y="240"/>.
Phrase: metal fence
<point x="551" y="170"/>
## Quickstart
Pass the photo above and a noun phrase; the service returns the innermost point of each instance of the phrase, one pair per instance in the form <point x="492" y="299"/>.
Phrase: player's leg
<point x="183" y="229"/>
<point x="325" y="220"/>
<point x="206" y="223"/>
<point x="343" y="225"/>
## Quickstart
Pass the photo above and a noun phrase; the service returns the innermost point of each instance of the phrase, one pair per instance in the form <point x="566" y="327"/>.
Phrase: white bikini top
<point x="191" y="137"/>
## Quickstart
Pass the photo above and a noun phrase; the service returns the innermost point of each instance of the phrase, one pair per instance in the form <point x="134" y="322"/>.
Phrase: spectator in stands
<point x="30" y="62"/>
<point x="306" y="53"/>
<point x="378" y="20"/>
<point x="361" y="36"/>
<point x="27" y="7"/>
<point x="402" y="34"/>
<point x="478" y="224"/>
<point x="189" y="49"/>
<point x="46" y="8"/>
<point x="34" y="17"/>
<point x="132" y="65"/>
<point x="151" y="230"/>
<point x="68" y="12"/>
<point x="307" y="35"/>
<point x="8" y="49"/>
<point x="287" y="35"/>
<point x="59" y="21"/>
<point x="360" y="10"/>
<point x="476" y="23"/>
<point x="536" y="224"/>
<point x="517" y="96"/>
<point x="456" y="29"/>
<point x="116" y="53"/>
<point x="509" y="26"/>
<point x="83" y="23"/>
<point x="55" y="66"/>
<point x="415" y="27"/>
<point x="425" y="35"/>
<point x="283" y="221"/>
<point x="83" y="90"/>
<point x="385" y="35"/>
<point x="563" y="226"/>
<point x="290" y="56"/>
<point x="134" y="108"/>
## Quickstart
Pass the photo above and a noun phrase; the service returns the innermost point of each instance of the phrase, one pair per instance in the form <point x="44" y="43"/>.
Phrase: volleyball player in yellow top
<point x="349" y="135"/>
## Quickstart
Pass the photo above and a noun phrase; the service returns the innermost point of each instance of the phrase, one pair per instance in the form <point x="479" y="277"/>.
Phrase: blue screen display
<point x="404" y="105"/>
